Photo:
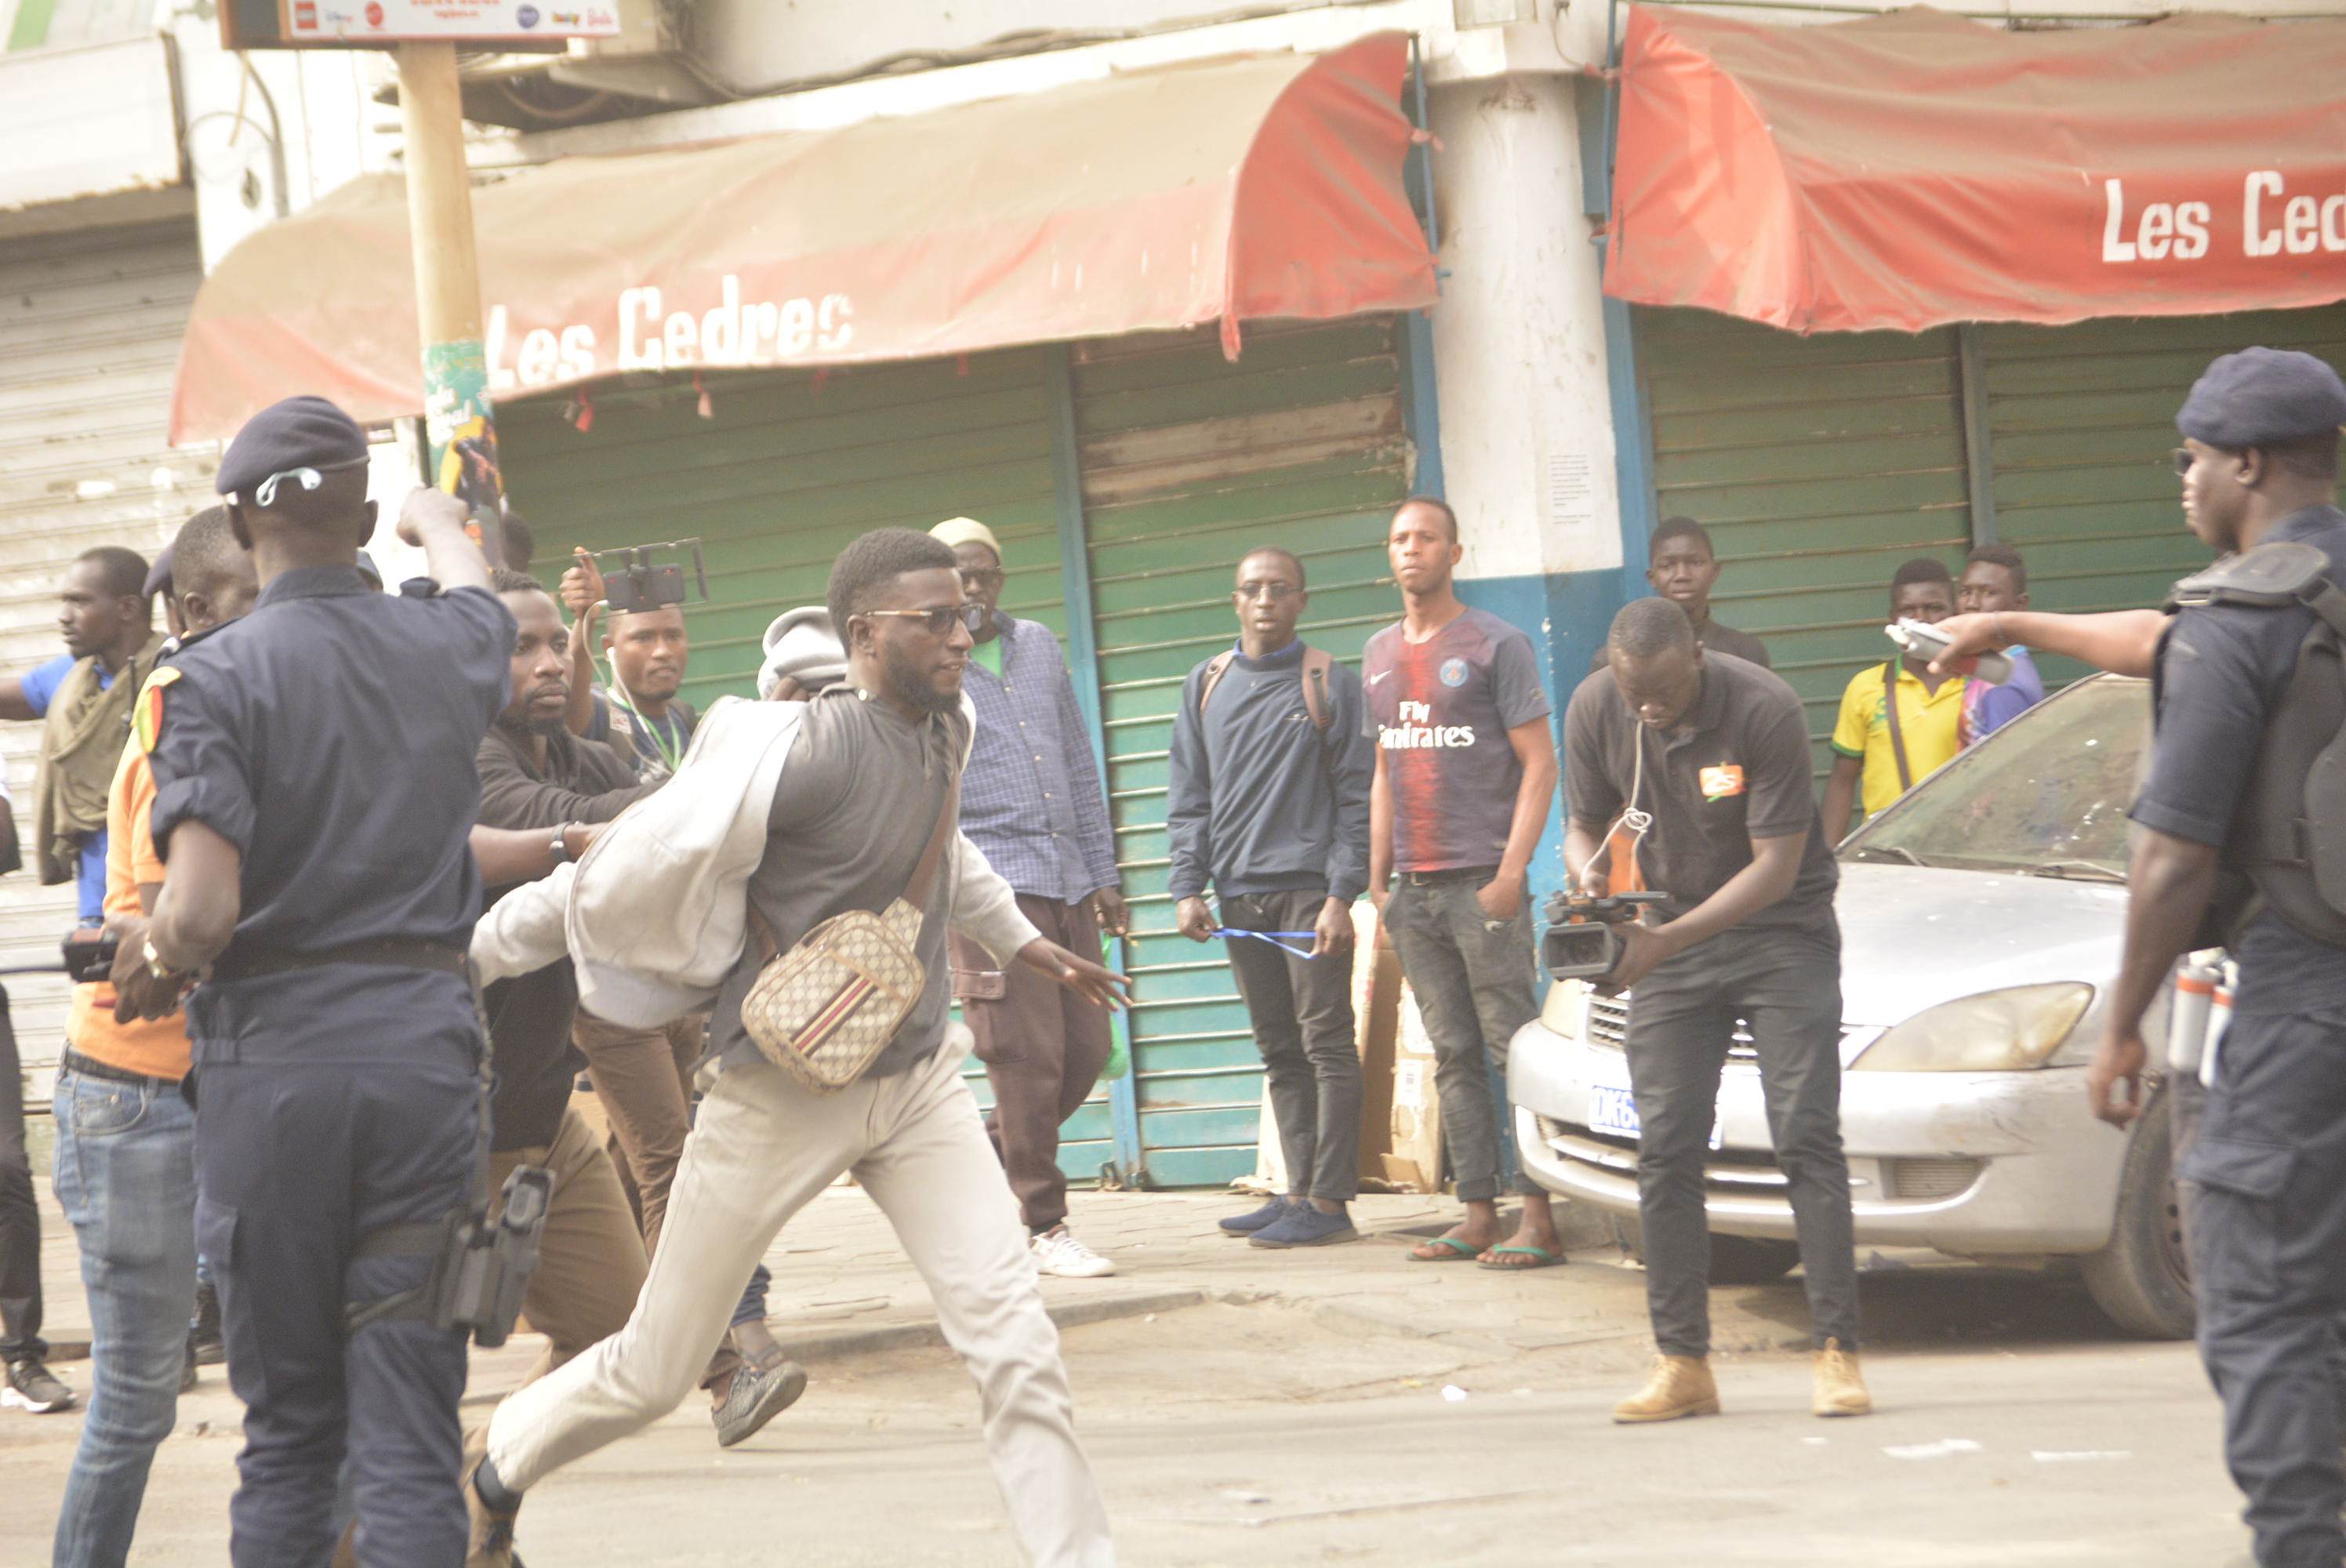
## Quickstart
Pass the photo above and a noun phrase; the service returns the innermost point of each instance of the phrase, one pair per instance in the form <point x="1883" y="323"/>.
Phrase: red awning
<point x="1236" y="189"/>
<point x="1916" y="168"/>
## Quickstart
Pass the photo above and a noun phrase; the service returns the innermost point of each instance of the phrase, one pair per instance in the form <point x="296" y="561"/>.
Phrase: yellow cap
<point x="959" y="531"/>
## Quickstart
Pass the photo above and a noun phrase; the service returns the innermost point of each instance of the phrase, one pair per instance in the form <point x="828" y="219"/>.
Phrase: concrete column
<point x="1520" y="372"/>
<point x="1519" y="361"/>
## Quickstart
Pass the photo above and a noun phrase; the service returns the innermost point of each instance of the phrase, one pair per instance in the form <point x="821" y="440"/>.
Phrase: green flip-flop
<point x="1459" y="1252"/>
<point x="1542" y="1258"/>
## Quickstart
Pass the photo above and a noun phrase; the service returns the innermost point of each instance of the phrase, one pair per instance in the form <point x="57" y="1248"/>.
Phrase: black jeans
<point x="1473" y="978"/>
<point x="20" y="1216"/>
<point x="1784" y="983"/>
<point x="1302" y="1014"/>
<point x="2267" y="1243"/>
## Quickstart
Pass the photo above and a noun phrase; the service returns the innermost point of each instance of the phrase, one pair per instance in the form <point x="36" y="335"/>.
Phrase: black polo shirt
<point x="1736" y="769"/>
<point x="2222" y="671"/>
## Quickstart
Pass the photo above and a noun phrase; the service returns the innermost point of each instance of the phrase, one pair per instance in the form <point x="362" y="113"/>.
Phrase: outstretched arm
<point x="2124" y="642"/>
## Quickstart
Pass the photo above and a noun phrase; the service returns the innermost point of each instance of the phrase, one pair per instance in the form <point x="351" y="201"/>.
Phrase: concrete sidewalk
<point x="843" y="1286"/>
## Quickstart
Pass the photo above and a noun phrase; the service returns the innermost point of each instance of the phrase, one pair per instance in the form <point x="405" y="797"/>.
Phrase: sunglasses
<point x="981" y="576"/>
<point x="2183" y="460"/>
<point x="1274" y="592"/>
<point x="939" y="622"/>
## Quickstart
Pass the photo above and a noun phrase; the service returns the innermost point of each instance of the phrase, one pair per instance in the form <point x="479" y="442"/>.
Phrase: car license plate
<point x="1613" y="1109"/>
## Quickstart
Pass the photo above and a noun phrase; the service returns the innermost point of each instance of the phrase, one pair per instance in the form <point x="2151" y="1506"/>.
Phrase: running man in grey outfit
<point x="1269" y="780"/>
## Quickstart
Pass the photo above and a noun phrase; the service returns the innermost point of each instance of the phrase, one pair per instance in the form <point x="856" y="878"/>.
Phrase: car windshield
<point x="2046" y="794"/>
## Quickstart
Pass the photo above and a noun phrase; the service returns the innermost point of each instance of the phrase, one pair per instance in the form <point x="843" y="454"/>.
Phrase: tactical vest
<point x="2286" y="851"/>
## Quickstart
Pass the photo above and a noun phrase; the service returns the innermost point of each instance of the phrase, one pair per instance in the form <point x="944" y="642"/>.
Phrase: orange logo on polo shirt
<point x="1719" y="782"/>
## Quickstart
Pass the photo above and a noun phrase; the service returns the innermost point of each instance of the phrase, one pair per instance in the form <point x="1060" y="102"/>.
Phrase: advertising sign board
<point x="348" y="24"/>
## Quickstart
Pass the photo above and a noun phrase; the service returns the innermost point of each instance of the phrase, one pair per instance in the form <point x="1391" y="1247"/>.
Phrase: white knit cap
<point x="959" y="531"/>
<point x="801" y="644"/>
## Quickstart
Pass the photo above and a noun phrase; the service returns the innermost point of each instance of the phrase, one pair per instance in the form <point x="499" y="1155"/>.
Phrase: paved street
<point x="1254" y="1409"/>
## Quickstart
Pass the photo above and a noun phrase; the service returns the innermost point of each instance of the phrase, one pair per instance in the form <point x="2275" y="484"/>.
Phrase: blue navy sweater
<point x="1258" y="800"/>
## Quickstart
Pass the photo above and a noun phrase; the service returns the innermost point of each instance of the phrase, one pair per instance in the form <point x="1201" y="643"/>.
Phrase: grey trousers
<point x="1785" y="984"/>
<point x="2267" y="1242"/>
<point x="1302" y="1009"/>
<point x="1473" y="977"/>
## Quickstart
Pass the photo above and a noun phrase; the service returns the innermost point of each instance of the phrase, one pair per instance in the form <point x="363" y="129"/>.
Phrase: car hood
<point x="1913" y="936"/>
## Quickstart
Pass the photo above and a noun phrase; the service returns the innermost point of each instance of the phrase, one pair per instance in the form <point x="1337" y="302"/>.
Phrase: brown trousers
<point x="644" y="1078"/>
<point x="1043" y="1047"/>
<point x="590" y="1262"/>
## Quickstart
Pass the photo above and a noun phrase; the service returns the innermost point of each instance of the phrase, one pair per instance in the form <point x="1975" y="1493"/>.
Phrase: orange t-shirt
<point x="155" y="1047"/>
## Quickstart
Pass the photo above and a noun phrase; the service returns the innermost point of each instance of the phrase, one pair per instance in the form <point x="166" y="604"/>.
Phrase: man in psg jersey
<point x="1465" y="777"/>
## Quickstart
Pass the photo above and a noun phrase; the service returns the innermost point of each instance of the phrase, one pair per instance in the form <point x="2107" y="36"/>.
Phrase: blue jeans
<point x="126" y="1176"/>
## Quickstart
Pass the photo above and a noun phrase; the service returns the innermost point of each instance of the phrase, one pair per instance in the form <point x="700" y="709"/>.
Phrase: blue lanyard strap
<point x="1272" y="936"/>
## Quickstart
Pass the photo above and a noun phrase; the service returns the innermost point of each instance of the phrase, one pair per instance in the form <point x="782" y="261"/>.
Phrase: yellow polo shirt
<point x="1931" y="723"/>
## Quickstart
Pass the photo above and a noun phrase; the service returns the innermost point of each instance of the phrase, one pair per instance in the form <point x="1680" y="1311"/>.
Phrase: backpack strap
<point x="1317" y="663"/>
<point x="2269" y="577"/>
<point x="1897" y="737"/>
<point x="1215" y="667"/>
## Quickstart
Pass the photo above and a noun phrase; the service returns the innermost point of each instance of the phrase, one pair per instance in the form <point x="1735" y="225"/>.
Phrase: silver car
<point x="1981" y="922"/>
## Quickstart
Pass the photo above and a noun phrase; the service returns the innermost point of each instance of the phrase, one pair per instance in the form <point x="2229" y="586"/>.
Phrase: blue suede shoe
<point x="1270" y="1213"/>
<point x="1307" y="1226"/>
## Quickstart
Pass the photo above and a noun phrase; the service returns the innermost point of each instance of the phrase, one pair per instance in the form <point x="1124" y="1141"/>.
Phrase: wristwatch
<point x="158" y="969"/>
<point x="561" y="845"/>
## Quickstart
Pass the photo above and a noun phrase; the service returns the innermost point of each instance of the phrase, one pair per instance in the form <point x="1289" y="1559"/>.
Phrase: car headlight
<point x="1995" y="1031"/>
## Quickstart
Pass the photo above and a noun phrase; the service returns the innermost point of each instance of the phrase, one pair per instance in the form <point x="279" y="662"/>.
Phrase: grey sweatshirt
<point x="1260" y="801"/>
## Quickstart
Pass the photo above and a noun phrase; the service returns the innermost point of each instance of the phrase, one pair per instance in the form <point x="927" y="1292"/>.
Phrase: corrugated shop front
<point x="91" y="322"/>
<point x="1184" y="461"/>
<point x="1187" y="462"/>
<point x="1820" y="464"/>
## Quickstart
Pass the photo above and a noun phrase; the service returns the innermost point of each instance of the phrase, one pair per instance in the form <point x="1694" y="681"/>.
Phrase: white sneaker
<point x="1058" y="1252"/>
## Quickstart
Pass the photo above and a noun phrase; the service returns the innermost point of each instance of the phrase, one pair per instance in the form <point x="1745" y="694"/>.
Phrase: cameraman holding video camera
<point x="1697" y="762"/>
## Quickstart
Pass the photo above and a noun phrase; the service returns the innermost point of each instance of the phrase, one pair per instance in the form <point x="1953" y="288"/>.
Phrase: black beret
<point x="158" y="575"/>
<point x="2263" y="397"/>
<point x="299" y="433"/>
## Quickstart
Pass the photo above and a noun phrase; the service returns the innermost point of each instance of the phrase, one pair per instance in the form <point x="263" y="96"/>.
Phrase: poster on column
<point x="346" y="24"/>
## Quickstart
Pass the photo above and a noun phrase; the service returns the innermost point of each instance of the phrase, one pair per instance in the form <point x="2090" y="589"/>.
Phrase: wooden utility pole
<point x="458" y="424"/>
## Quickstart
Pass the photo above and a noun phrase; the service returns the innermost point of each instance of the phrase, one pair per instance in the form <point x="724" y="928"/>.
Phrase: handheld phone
<point x="90" y="955"/>
<point x="1926" y="642"/>
<point x="633" y="579"/>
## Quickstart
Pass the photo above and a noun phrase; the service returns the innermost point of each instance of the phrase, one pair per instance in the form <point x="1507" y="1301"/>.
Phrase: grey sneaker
<point x="34" y="1388"/>
<point x="757" y="1396"/>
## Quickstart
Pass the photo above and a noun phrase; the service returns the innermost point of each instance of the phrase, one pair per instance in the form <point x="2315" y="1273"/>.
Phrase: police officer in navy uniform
<point x="2222" y="855"/>
<point x="315" y="788"/>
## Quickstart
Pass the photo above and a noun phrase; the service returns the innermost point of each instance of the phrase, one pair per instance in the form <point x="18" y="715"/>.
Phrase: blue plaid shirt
<point x="1031" y="751"/>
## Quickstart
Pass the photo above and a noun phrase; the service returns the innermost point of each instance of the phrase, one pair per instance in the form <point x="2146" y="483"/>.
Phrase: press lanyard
<point x="1272" y="936"/>
<point x="660" y="743"/>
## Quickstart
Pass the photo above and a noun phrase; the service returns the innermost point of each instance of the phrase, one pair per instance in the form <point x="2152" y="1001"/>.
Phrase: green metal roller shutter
<point x="1818" y="464"/>
<point x="2082" y="420"/>
<point x="1189" y="461"/>
<point x="789" y="468"/>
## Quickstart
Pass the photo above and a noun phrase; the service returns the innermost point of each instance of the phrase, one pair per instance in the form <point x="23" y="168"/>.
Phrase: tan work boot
<point x="1677" y="1386"/>
<point x="1841" y="1388"/>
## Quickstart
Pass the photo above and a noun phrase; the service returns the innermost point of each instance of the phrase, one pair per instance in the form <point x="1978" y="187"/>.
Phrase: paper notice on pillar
<point x="1570" y="540"/>
<point x="384" y="21"/>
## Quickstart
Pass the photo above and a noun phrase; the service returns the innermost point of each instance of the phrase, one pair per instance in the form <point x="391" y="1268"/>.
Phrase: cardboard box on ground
<point x="1401" y="1120"/>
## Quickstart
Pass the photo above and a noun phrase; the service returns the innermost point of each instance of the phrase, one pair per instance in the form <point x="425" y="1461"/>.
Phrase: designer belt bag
<point x="825" y="1010"/>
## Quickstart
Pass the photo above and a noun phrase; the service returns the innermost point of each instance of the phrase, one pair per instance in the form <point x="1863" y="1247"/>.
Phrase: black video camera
<point x="632" y="581"/>
<point x="1581" y="942"/>
<point x="89" y="954"/>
